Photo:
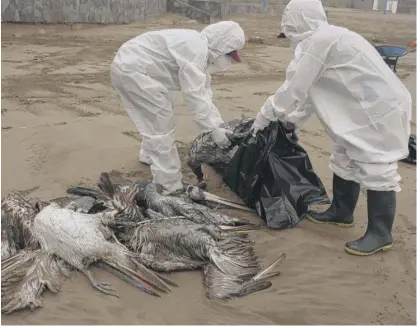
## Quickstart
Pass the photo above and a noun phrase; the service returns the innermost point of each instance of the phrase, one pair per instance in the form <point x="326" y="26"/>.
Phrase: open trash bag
<point x="411" y="158"/>
<point x="273" y="174"/>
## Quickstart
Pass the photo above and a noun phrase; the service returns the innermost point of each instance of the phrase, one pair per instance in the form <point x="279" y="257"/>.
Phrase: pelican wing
<point x="26" y="275"/>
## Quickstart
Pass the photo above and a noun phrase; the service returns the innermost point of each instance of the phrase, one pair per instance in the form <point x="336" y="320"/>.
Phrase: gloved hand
<point x="219" y="136"/>
<point x="260" y="123"/>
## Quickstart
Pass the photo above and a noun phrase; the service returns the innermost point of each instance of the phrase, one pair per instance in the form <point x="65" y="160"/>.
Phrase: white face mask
<point x="221" y="63"/>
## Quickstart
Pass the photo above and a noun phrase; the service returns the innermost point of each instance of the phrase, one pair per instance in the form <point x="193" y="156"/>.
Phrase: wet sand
<point x="63" y="124"/>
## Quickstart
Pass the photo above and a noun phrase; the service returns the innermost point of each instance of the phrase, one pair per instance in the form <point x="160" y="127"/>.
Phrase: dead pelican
<point x="230" y="286"/>
<point x="183" y="236"/>
<point x="203" y="150"/>
<point x="131" y="199"/>
<point x="230" y="266"/>
<point x="156" y="231"/>
<point x="8" y="247"/>
<point x="80" y="239"/>
<point x="174" y="206"/>
<point x="57" y="239"/>
<point x="25" y="275"/>
<point x="17" y="216"/>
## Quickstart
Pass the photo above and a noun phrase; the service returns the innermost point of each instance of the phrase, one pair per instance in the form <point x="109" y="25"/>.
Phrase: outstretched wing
<point x="26" y="275"/>
<point x="17" y="218"/>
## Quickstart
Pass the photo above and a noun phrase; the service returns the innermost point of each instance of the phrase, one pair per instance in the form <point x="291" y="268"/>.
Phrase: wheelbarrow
<point x="391" y="54"/>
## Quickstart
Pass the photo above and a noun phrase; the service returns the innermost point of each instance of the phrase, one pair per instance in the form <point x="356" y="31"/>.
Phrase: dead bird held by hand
<point x="203" y="150"/>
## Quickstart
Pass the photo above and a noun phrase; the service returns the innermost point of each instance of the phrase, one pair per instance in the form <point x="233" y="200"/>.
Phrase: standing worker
<point x="148" y="68"/>
<point x="365" y="109"/>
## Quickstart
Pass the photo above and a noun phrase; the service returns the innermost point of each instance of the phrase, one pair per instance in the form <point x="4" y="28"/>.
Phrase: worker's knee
<point x="371" y="176"/>
<point x="379" y="177"/>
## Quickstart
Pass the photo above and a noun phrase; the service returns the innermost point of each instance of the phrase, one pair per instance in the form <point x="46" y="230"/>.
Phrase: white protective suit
<point x="147" y="69"/>
<point x="339" y="76"/>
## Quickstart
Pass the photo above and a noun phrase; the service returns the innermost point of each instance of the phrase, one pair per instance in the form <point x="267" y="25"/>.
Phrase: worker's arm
<point x="191" y="58"/>
<point x="208" y="85"/>
<point x="197" y="95"/>
<point x="301" y="74"/>
<point x="301" y="114"/>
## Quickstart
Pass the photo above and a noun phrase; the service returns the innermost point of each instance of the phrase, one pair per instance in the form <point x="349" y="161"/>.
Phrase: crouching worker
<point x="366" y="110"/>
<point x="148" y="68"/>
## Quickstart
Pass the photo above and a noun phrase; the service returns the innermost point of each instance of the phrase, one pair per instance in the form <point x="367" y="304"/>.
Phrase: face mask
<point x="221" y="63"/>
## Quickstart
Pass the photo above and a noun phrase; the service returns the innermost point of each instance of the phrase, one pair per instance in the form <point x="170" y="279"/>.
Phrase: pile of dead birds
<point x="134" y="231"/>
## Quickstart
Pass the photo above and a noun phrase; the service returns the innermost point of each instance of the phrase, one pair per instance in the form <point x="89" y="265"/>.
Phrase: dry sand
<point x="62" y="124"/>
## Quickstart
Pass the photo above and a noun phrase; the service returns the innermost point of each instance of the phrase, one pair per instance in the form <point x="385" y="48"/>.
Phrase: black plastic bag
<point x="411" y="151"/>
<point x="273" y="174"/>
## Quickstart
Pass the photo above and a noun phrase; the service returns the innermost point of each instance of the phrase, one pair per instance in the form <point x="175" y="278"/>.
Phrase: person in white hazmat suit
<point x="366" y="110"/>
<point x="148" y="68"/>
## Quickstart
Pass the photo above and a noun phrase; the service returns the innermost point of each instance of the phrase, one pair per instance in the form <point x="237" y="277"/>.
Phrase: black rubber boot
<point x="381" y="213"/>
<point x="345" y="197"/>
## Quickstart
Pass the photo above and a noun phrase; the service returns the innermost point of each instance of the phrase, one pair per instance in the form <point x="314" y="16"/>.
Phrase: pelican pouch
<point x="273" y="174"/>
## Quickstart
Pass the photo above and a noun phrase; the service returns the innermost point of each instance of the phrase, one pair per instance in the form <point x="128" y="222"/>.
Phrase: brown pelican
<point x="174" y="206"/>
<point x="56" y="239"/>
<point x="181" y="238"/>
<point x="230" y="266"/>
<point x="203" y="150"/>
<point x="25" y="275"/>
<point x="180" y="235"/>
<point x="8" y="247"/>
<point x="17" y="216"/>
<point x="130" y="199"/>
<point x="82" y="239"/>
<point x="229" y="286"/>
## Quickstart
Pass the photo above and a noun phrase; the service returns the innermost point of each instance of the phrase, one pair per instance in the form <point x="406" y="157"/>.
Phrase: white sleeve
<point x="301" y="114"/>
<point x="208" y="84"/>
<point x="301" y="74"/>
<point x="190" y="54"/>
<point x="196" y="95"/>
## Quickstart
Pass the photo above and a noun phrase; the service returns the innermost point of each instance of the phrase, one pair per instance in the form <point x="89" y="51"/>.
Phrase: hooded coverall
<point x="340" y="77"/>
<point x="148" y="68"/>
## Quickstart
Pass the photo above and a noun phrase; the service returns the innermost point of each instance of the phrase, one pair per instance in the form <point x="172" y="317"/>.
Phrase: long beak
<point x="241" y="228"/>
<point x="157" y="280"/>
<point x="197" y="193"/>
<point x="268" y="272"/>
<point x="127" y="277"/>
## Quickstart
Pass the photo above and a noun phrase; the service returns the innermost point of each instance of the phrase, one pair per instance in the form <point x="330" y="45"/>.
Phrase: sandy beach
<point x="63" y="124"/>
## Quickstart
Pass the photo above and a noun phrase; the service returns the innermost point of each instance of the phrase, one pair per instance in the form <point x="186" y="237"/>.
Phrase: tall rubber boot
<point x="345" y="197"/>
<point x="381" y="213"/>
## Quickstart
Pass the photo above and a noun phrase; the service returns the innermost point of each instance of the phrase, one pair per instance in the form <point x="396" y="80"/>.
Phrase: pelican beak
<point x="198" y="194"/>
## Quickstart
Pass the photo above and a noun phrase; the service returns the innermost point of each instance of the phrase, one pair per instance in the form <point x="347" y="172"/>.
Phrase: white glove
<point x="260" y="123"/>
<point x="219" y="136"/>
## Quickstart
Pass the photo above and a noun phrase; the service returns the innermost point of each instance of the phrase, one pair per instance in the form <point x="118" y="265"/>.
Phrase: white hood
<point x="223" y="37"/>
<point x="301" y="18"/>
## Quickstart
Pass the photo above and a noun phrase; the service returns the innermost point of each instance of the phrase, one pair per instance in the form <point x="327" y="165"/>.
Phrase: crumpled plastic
<point x="273" y="174"/>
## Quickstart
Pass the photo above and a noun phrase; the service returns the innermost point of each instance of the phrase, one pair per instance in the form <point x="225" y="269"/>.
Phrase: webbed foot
<point x="103" y="287"/>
